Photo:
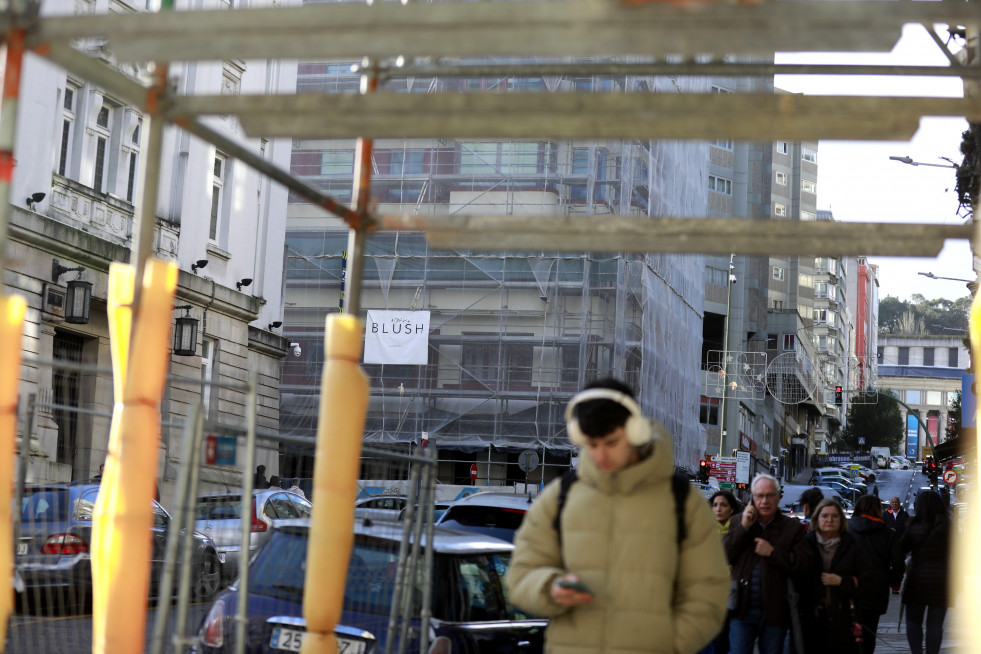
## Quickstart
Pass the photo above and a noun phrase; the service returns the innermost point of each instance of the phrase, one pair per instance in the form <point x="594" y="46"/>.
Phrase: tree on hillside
<point x="954" y="416"/>
<point x="918" y="316"/>
<point x="877" y="419"/>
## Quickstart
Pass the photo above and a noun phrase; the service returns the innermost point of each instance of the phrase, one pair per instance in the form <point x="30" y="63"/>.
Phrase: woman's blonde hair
<point x="833" y="502"/>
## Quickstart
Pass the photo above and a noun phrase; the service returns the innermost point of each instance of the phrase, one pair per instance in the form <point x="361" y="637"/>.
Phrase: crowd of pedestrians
<point x="622" y="561"/>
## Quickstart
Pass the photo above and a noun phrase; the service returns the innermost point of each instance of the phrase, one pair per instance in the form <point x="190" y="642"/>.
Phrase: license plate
<point x="21" y="549"/>
<point x="290" y="640"/>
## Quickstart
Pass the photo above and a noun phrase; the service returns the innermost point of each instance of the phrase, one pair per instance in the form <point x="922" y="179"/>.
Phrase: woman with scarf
<point x="841" y="575"/>
<point x="881" y="545"/>
<point x="724" y="504"/>
<point x="927" y="538"/>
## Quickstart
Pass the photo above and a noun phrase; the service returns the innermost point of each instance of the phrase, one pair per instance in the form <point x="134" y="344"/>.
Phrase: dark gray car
<point x="52" y="551"/>
<point x="219" y="516"/>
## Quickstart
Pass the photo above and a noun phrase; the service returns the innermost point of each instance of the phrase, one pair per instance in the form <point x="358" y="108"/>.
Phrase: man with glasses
<point x="765" y="549"/>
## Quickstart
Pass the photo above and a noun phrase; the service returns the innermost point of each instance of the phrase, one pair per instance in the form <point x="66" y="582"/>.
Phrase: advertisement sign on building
<point x="396" y="337"/>
<point x="969" y="401"/>
<point x="912" y="435"/>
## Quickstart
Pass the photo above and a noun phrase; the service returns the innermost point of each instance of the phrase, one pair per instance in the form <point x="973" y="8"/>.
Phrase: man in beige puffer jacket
<point x="643" y="592"/>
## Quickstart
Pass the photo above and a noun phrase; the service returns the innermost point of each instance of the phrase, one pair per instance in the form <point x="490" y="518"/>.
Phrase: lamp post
<point x="730" y="280"/>
<point x="972" y="284"/>
<point x="909" y="161"/>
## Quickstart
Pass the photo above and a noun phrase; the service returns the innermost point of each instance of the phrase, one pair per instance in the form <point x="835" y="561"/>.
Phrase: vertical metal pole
<point x="25" y="451"/>
<point x="186" y="510"/>
<point x="182" y="495"/>
<point x="412" y="568"/>
<point x="403" y="555"/>
<point x="362" y="194"/>
<point x="8" y="124"/>
<point x="725" y="360"/>
<point x="241" y="622"/>
<point x="427" y="509"/>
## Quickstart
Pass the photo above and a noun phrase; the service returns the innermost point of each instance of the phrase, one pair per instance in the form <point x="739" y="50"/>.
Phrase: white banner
<point x="397" y="337"/>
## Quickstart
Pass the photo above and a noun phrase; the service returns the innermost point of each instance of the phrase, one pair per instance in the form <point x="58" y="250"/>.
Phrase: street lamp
<point x="953" y="279"/>
<point x="909" y="160"/>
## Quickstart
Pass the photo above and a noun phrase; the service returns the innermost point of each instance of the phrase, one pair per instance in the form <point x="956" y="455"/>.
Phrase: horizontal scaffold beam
<point x="560" y="28"/>
<point x="748" y="117"/>
<point x="677" y="235"/>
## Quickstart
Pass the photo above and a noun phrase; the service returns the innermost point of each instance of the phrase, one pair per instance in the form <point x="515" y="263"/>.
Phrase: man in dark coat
<point x="765" y="548"/>
<point x="881" y="546"/>
<point x="896" y="517"/>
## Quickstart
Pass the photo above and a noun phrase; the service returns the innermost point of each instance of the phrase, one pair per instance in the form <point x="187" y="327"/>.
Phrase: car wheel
<point x="209" y="578"/>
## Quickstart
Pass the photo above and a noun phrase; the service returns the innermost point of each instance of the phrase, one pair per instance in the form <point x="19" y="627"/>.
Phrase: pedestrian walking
<point x="881" y="546"/>
<point x="724" y="505"/>
<point x="619" y="556"/>
<point x="927" y="540"/>
<point x="259" y="481"/>
<point x="809" y="500"/>
<point x="896" y="517"/>
<point x="841" y="575"/>
<point x="765" y="548"/>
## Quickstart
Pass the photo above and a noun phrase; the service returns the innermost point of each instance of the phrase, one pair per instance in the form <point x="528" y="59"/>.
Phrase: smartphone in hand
<point x="577" y="586"/>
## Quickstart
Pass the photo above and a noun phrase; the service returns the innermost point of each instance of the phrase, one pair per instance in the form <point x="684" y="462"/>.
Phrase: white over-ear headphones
<point x="637" y="426"/>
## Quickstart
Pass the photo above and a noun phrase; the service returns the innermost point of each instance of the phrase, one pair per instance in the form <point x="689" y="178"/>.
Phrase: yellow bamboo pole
<point x="966" y="573"/>
<point x="123" y="516"/>
<point x="343" y="406"/>
<point x="12" y="309"/>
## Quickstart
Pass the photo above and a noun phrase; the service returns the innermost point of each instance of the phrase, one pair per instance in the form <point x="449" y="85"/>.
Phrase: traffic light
<point x="837" y="395"/>
<point x="703" y="471"/>
<point x="933" y="472"/>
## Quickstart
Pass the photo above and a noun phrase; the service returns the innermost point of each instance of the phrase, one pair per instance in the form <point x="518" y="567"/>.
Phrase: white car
<point x="899" y="463"/>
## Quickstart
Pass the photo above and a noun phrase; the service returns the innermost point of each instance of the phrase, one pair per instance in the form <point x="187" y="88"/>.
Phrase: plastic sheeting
<point x="513" y="335"/>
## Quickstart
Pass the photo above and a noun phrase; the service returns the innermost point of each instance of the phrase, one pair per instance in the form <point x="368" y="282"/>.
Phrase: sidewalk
<point x="892" y="640"/>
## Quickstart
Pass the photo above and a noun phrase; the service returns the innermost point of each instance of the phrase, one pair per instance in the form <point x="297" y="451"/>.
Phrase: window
<point x="820" y="315"/>
<point x="880" y="352"/>
<point x="217" y="193"/>
<point x="912" y="397"/>
<point x="789" y="341"/>
<point x="778" y="272"/>
<point x="771" y="341"/>
<point x="805" y="280"/>
<point x="904" y="356"/>
<point x="100" y="164"/>
<point x="337" y="162"/>
<point x="821" y="289"/>
<point x="778" y="304"/>
<point x="207" y="372"/>
<point x="783" y="147"/>
<point x="808" y="216"/>
<point x="808" y="186"/>
<point x="952" y="357"/>
<point x="66" y="391"/>
<point x="928" y="356"/>
<point x="807" y="154"/>
<point x="715" y="276"/>
<point x="780" y="209"/>
<point x="935" y="398"/>
<point x="725" y="144"/>
<point x="708" y="411"/>
<point x="720" y="185"/>
<point x="781" y="178"/>
<point x="67" y="129"/>
<point x="131" y="177"/>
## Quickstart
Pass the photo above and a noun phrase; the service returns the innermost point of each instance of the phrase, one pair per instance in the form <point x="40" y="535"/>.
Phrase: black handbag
<point x="737" y="589"/>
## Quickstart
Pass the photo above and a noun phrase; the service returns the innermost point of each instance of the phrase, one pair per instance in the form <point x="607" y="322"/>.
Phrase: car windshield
<point x="467" y="587"/>
<point x="485" y="516"/>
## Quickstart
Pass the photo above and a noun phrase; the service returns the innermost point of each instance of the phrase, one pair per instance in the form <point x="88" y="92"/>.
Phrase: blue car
<point x="470" y="609"/>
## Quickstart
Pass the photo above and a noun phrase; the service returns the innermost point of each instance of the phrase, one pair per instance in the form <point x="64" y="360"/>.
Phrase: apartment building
<point x="79" y="153"/>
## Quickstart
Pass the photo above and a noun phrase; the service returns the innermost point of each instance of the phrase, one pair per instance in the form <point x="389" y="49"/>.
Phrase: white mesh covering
<point x="513" y="335"/>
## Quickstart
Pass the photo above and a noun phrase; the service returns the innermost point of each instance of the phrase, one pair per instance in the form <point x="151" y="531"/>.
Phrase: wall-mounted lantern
<point x="185" y="333"/>
<point x="78" y="297"/>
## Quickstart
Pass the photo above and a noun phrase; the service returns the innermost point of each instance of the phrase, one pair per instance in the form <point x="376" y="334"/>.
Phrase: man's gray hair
<point x="761" y="476"/>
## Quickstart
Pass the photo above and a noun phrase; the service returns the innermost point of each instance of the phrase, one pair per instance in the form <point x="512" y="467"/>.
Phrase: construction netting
<point x="511" y="336"/>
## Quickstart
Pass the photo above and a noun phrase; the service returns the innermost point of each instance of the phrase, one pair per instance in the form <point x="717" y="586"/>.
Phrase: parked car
<point x="380" y="507"/>
<point x="470" y="612"/>
<point x="439" y="508"/>
<point x="52" y="552"/>
<point x="824" y="477"/>
<point x="790" y="498"/>
<point x="925" y="466"/>
<point x="219" y="516"/>
<point x="844" y="490"/>
<point x="491" y="514"/>
<point x="899" y="463"/>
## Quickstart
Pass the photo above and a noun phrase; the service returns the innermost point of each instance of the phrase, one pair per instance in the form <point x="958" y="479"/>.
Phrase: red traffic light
<point x="837" y="389"/>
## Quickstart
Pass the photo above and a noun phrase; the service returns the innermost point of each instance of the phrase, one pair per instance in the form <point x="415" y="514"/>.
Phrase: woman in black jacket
<point x="927" y="538"/>
<point x="841" y="574"/>
<point x="881" y="546"/>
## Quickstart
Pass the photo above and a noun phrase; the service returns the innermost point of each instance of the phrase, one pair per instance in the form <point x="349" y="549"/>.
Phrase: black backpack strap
<point x="680" y="488"/>
<point x="568" y="479"/>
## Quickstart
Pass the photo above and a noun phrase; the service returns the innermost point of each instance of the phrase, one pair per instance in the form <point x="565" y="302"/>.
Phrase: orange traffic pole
<point x="123" y="515"/>
<point x="12" y="309"/>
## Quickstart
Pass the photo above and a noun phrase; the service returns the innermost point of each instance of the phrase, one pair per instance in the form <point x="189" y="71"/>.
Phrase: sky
<point x="858" y="182"/>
